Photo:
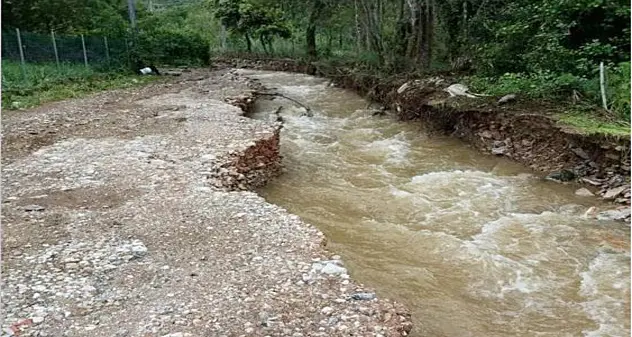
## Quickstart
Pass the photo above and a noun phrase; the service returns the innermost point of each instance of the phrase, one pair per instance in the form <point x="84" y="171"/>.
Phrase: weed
<point x="47" y="82"/>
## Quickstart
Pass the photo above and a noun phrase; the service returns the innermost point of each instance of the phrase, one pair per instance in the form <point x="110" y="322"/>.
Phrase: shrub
<point x="173" y="47"/>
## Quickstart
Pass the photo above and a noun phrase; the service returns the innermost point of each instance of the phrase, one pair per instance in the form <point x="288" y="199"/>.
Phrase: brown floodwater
<point x="473" y="244"/>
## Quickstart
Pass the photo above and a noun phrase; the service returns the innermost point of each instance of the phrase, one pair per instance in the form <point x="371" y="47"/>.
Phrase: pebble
<point x="333" y="269"/>
<point x="363" y="296"/>
<point x="327" y="311"/>
<point x="33" y="208"/>
<point x="584" y="192"/>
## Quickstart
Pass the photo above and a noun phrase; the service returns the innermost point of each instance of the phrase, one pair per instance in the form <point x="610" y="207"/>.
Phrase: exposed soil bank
<point x="524" y="131"/>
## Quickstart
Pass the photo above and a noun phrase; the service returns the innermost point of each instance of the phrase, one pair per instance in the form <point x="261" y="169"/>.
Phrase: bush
<point x="537" y="86"/>
<point x="173" y="48"/>
<point x="619" y="90"/>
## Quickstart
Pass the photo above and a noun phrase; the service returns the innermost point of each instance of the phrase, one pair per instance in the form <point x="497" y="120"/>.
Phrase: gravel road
<point x="110" y="226"/>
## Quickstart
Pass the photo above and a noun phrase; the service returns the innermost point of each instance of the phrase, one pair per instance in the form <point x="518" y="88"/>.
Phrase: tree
<point x="250" y="20"/>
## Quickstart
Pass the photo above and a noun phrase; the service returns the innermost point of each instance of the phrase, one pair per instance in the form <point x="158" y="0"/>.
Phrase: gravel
<point x="112" y="228"/>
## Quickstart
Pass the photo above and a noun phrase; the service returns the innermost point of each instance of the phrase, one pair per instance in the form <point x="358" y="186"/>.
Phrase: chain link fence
<point x="36" y="48"/>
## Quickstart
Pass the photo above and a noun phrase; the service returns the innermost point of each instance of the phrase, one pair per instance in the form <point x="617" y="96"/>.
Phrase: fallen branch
<point x="309" y="110"/>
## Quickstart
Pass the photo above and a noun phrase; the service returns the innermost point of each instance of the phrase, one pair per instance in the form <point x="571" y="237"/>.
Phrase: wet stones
<point x="249" y="168"/>
<point x="615" y="214"/>
<point x="614" y="192"/>
<point x="584" y="192"/>
<point x="561" y="176"/>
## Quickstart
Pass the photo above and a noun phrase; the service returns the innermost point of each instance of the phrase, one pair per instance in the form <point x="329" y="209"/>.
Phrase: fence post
<point x="85" y="56"/>
<point x="22" y="62"/>
<point x="129" y="57"/>
<point x="52" y="35"/>
<point x="602" y="85"/>
<point x="107" y="49"/>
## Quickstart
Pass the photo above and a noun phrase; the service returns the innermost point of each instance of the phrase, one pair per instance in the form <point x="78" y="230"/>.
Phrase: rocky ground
<point x="128" y="213"/>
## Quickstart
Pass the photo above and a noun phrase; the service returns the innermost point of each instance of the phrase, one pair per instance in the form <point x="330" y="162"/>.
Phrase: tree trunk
<point x="310" y="32"/>
<point x="248" y="43"/>
<point x="428" y="33"/>
<point x="402" y="30"/>
<point x="263" y="44"/>
<point x="310" y="40"/>
<point x="357" y="27"/>
<point x="415" y="29"/>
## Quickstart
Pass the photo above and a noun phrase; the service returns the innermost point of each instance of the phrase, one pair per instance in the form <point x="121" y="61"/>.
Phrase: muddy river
<point x="473" y="244"/>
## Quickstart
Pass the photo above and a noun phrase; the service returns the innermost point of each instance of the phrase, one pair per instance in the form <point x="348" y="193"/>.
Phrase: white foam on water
<point x="395" y="149"/>
<point x="294" y="91"/>
<point x="608" y="276"/>
<point x="510" y="251"/>
<point x="470" y="190"/>
<point x="399" y="192"/>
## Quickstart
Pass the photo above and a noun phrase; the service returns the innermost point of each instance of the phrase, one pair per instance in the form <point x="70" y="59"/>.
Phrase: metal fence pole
<point x="22" y="62"/>
<point x="129" y="59"/>
<point x="107" y="50"/>
<point x="52" y="35"/>
<point x="85" y="55"/>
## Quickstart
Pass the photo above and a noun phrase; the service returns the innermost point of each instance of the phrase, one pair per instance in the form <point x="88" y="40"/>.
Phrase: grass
<point x="585" y="116"/>
<point x="588" y="124"/>
<point x="47" y="82"/>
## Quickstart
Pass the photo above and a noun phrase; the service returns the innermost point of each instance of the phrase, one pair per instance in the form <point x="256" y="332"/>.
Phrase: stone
<point x="37" y="319"/>
<point x="614" y="192"/>
<point x="327" y="311"/>
<point x="580" y="153"/>
<point x="506" y="99"/>
<point x="72" y="266"/>
<point x="561" y="176"/>
<point x="499" y="150"/>
<point x="486" y="134"/>
<point x="584" y="192"/>
<point x="591" y="180"/>
<point x="34" y="208"/>
<point x="333" y="269"/>
<point x="364" y="296"/>
<point x="615" y="214"/>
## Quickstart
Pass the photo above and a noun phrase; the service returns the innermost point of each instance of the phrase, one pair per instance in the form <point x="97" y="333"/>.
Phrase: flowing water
<point x="474" y="245"/>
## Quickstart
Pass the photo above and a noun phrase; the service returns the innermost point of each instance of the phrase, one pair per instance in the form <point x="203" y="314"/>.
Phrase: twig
<point x="602" y="84"/>
<point x="281" y="95"/>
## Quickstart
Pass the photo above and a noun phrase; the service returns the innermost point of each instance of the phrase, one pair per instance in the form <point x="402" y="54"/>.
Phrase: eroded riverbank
<point x="127" y="214"/>
<point x="526" y="133"/>
<point x="475" y="245"/>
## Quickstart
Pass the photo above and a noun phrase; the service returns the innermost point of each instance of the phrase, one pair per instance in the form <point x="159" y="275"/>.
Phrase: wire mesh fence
<point x="34" y="48"/>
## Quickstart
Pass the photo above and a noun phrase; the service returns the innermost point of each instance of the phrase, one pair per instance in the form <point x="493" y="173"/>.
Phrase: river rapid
<point x="473" y="244"/>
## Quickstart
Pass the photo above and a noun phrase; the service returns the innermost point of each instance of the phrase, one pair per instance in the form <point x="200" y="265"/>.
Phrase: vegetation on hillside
<point x="539" y="49"/>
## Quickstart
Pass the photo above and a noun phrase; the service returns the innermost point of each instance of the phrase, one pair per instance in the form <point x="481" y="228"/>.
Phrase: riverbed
<point x="473" y="244"/>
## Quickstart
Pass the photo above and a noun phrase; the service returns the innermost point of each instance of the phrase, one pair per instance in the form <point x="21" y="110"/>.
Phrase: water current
<point x="473" y="244"/>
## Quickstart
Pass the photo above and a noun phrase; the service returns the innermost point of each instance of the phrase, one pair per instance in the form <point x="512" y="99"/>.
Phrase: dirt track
<point x="110" y="226"/>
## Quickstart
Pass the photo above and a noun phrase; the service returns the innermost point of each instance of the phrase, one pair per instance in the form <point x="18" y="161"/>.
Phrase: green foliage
<point x="552" y="35"/>
<point x="66" y="16"/>
<point x="164" y="46"/>
<point x="248" y="19"/>
<point x="619" y="90"/>
<point x="176" y="36"/>
<point x="540" y="85"/>
<point x="47" y="82"/>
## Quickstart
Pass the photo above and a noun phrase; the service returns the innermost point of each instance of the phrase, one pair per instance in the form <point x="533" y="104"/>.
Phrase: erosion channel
<point x="474" y="245"/>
